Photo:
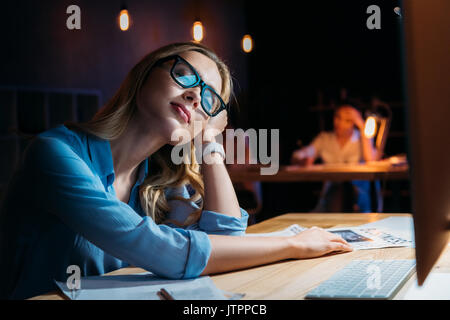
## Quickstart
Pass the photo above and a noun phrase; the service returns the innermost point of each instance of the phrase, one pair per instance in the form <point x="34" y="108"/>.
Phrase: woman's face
<point x="168" y="106"/>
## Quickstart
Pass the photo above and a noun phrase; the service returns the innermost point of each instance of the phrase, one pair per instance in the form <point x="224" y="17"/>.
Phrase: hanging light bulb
<point x="124" y="20"/>
<point x="197" y="31"/>
<point x="247" y="43"/>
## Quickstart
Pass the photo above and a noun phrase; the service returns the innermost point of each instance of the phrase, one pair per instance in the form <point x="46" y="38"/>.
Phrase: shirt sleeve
<point x="318" y="145"/>
<point x="68" y="189"/>
<point x="210" y="222"/>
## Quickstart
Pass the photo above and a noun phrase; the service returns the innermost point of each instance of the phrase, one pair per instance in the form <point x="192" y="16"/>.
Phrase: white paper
<point x="371" y="238"/>
<point x="402" y="226"/>
<point x="292" y="230"/>
<point x="386" y="233"/>
<point x="143" y="286"/>
<point x="436" y="287"/>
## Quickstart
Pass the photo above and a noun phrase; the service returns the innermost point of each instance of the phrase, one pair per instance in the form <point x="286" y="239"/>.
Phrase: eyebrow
<point x="202" y="76"/>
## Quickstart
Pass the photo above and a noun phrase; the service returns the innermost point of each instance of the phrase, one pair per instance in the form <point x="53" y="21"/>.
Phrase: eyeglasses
<point x="185" y="75"/>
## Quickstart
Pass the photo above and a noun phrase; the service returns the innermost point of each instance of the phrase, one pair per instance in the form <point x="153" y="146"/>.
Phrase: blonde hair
<point x="112" y="120"/>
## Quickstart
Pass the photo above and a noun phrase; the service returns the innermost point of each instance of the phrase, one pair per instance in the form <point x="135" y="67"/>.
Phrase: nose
<point x="193" y="96"/>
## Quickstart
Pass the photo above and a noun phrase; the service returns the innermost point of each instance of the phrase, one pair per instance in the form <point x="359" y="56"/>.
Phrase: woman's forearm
<point x="234" y="253"/>
<point x="219" y="191"/>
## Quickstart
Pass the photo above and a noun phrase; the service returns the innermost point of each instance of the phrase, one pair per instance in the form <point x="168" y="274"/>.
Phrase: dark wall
<point x="39" y="50"/>
<point x="307" y="48"/>
<point x="301" y="49"/>
<point x="50" y="74"/>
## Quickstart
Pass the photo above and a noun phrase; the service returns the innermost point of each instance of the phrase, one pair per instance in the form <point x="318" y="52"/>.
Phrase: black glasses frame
<point x="198" y="82"/>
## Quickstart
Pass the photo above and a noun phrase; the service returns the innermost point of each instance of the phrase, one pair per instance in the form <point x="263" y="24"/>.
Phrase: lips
<point x="182" y="111"/>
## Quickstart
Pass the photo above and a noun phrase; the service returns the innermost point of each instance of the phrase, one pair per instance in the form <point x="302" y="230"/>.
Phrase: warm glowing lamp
<point x="124" y="20"/>
<point x="197" y="31"/>
<point x="247" y="43"/>
<point x="370" y="127"/>
<point x="377" y="126"/>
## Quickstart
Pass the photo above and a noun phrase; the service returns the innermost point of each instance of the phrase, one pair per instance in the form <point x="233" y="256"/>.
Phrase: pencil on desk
<point x="165" y="295"/>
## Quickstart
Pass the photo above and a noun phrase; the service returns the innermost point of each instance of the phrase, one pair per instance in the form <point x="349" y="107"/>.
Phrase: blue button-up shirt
<point x="60" y="209"/>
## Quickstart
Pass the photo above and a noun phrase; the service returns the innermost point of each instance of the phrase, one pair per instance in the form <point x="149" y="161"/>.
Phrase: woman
<point x="106" y="194"/>
<point x="345" y="144"/>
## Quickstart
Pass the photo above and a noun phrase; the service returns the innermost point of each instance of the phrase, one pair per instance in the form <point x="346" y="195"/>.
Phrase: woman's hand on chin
<point x="215" y="126"/>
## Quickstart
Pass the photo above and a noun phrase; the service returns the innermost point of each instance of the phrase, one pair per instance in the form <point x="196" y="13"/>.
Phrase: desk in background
<point x="292" y="279"/>
<point x="341" y="172"/>
<point x="374" y="171"/>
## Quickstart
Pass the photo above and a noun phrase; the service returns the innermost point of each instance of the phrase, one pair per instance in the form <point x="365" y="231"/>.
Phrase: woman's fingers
<point x="337" y="238"/>
<point x="316" y="242"/>
<point x="338" y="246"/>
<point x="338" y="243"/>
<point x="331" y="236"/>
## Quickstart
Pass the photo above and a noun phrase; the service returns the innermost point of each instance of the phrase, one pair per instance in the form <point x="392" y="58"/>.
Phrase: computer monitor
<point x="426" y="39"/>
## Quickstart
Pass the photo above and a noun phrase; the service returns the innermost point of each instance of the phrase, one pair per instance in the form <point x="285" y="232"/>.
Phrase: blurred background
<point x="306" y="58"/>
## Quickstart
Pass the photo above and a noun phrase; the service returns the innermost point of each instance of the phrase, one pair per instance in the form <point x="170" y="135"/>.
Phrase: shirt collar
<point x="143" y="171"/>
<point x="354" y="138"/>
<point x="355" y="135"/>
<point x="102" y="161"/>
<point x="101" y="157"/>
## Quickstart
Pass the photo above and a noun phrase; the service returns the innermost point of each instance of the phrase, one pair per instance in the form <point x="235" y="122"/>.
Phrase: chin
<point x="177" y="130"/>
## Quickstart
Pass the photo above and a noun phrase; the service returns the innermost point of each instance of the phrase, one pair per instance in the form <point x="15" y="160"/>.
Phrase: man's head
<point x="344" y="119"/>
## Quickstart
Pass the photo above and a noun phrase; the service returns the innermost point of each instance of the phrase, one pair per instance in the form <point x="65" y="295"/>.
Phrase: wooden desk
<point x="292" y="279"/>
<point x="347" y="172"/>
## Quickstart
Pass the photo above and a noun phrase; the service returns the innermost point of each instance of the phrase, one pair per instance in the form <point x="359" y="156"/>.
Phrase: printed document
<point x="385" y="233"/>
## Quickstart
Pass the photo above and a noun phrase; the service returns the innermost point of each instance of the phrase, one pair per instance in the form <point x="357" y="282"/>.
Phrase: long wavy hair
<point x="112" y="120"/>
